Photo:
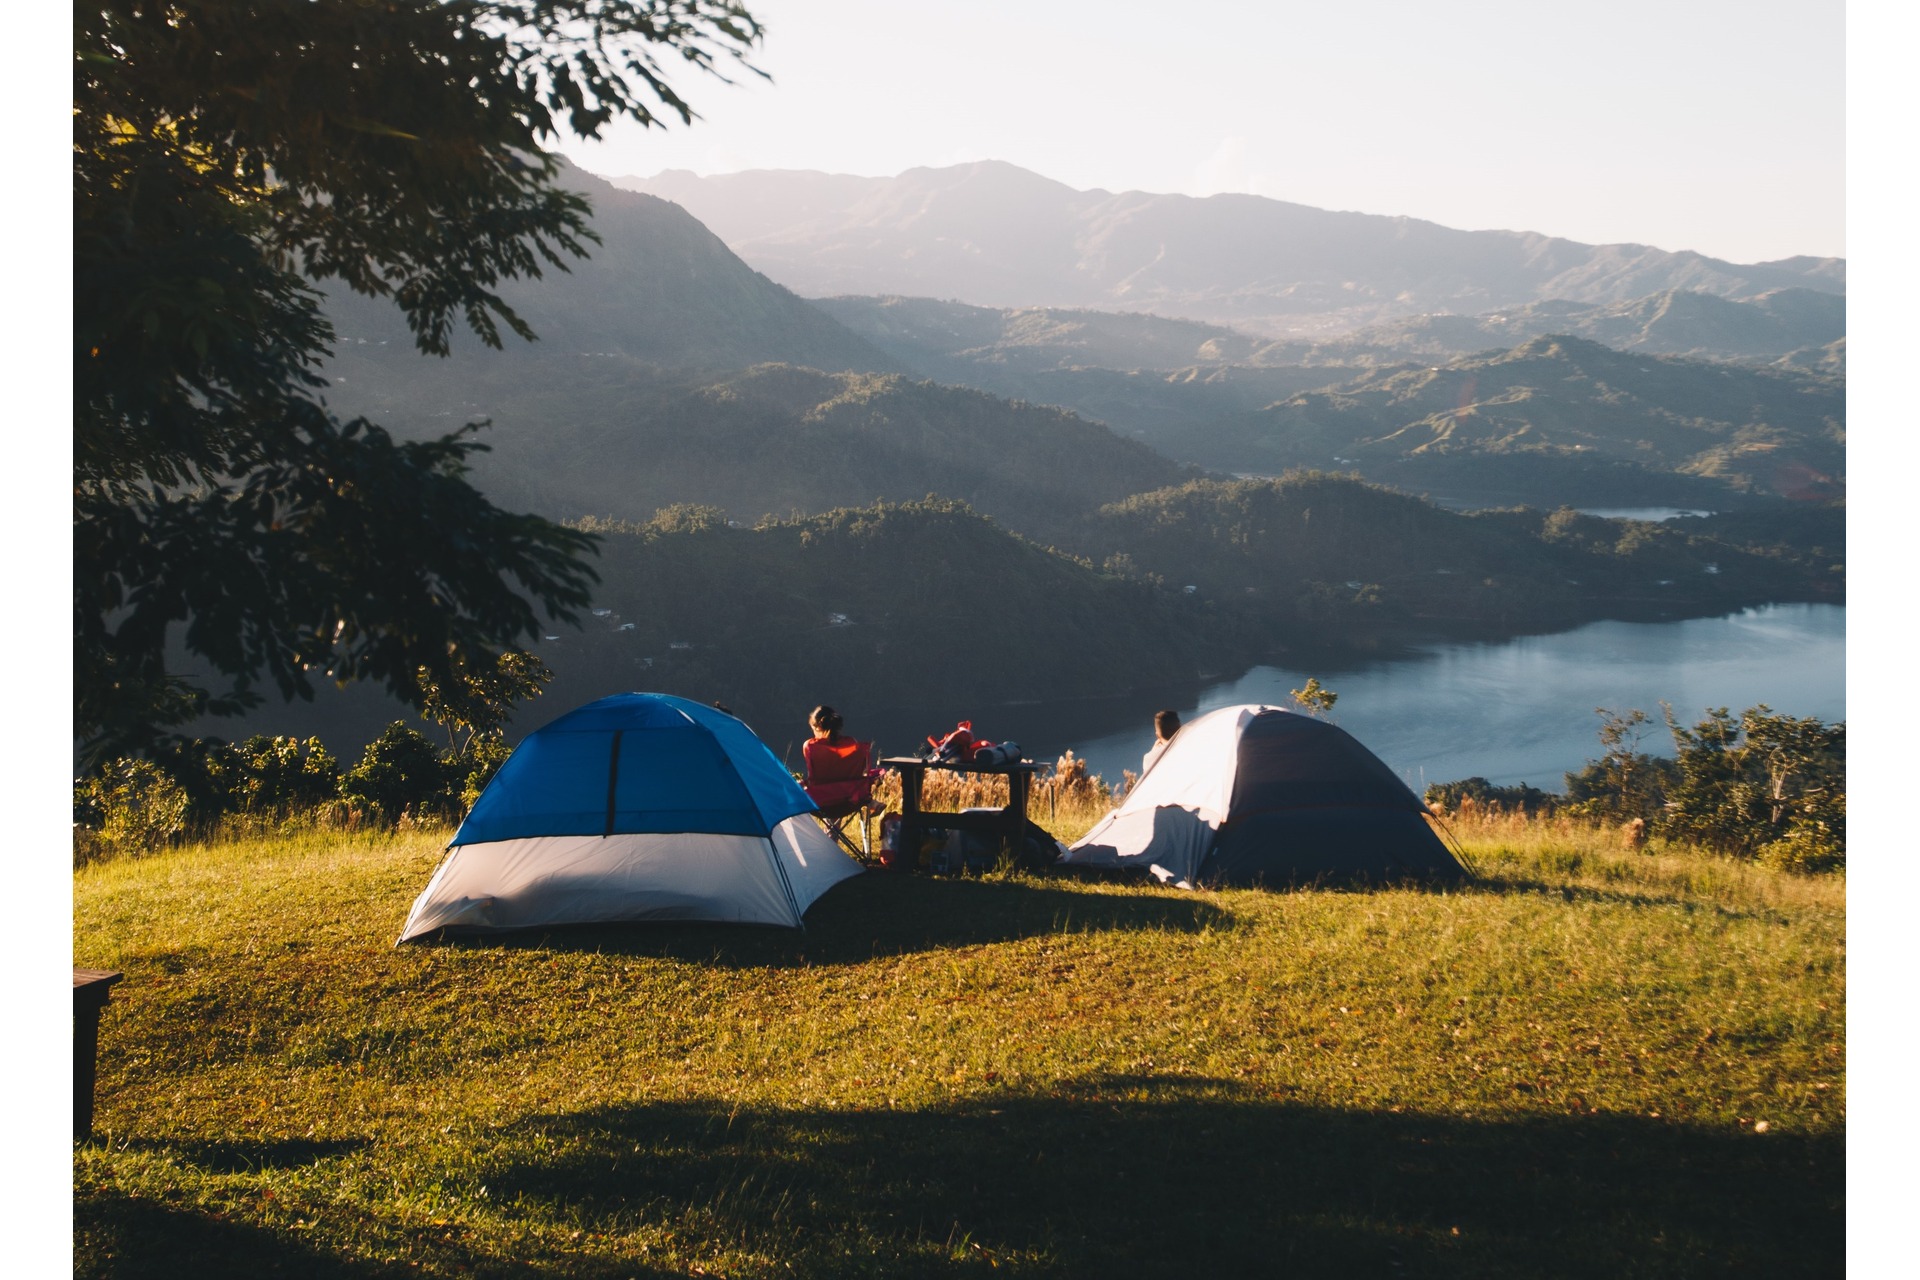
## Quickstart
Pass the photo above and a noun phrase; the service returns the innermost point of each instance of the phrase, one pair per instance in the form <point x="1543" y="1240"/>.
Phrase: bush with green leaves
<point x="129" y="806"/>
<point x="1760" y="785"/>
<point x="1625" y="783"/>
<point x="401" y="772"/>
<point x="1447" y="796"/>
<point x="273" y="775"/>
<point x="476" y="766"/>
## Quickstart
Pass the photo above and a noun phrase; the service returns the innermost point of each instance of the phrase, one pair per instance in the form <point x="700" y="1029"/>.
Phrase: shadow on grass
<point x="883" y="914"/>
<point x="1154" y="1177"/>
<point x="249" y="1157"/>
<point x="125" y="1237"/>
<point x="121" y="1235"/>
<point x="1511" y="885"/>
<point x="1324" y="882"/>
<point x="886" y="914"/>
<point x="1114" y="1176"/>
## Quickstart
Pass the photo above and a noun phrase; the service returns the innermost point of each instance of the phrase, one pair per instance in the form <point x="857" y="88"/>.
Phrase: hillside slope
<point x="992" y="234"/>
<point x="660" y="291"/>
<point x="905" y="605"/>
<point x="605" y="437"/>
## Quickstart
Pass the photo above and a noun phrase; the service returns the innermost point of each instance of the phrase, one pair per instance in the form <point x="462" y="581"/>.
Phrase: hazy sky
<point x="1685" y="124"/>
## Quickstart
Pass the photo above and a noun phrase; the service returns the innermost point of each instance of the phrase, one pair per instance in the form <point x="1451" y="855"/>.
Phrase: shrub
<point x="476" y="766"/>
<point x="1815" y="841"/>
<point x="1749" y="783"/>
<point x="401" y="773"/>
<point x="273" y="775"/>
<point x="1449" y="796"/>
<point x="130" y="806"/>
<point x="1625" y="783"/>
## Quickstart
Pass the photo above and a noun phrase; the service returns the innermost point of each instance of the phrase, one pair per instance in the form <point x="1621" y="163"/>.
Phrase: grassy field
<point x="1590" y="1062"/>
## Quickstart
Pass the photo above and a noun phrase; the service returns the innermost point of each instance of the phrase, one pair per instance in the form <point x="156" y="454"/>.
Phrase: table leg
<point x="86" y="1044"/>
<point x="910" y="780"/>
<point x="1016" y="813"/>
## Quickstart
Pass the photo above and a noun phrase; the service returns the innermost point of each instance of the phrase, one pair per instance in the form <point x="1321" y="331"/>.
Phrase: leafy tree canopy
<point x="231" y="155"/>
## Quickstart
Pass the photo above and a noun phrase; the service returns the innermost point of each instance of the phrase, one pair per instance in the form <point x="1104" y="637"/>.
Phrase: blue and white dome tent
<point x="641" y="806"/>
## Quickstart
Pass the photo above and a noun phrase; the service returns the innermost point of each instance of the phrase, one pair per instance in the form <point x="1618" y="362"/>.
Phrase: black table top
<point x="954" y="766"/>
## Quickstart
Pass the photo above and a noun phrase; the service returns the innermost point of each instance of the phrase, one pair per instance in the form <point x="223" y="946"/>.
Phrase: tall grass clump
<point x="1065" y="801"/>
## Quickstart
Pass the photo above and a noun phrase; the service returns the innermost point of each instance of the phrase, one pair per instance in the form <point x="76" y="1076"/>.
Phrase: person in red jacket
<point x="840" y="776"/>
<point x="837" y="766"/>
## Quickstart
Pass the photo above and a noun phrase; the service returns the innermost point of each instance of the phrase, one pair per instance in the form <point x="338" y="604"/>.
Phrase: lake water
<point x="1517" y="711"/>
<point x="1656" y="514"/>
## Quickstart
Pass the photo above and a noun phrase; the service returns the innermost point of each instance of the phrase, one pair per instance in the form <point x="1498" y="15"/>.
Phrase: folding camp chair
<point x="840" y="778"/>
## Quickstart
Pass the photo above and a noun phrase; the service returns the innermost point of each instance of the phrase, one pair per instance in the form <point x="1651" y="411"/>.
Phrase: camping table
<point x="1009" y="823"/>
<point x="89" y="997"/>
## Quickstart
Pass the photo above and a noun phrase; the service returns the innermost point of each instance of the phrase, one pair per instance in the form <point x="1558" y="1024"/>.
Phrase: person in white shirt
<point x="1165" y="725"/>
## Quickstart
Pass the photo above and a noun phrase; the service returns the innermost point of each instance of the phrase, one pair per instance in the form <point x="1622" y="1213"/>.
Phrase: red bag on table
<point x="956" y="747"/>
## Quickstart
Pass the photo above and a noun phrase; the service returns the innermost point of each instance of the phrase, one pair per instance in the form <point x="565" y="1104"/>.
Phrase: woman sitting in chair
<point x="840" y="777"/>
<point x="828" y="745"/>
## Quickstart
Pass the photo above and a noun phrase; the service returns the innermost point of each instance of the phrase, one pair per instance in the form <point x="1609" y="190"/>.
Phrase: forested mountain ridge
<point x="597" y="437"/>
<point x="944" y="339"/>
<point x="908" y="604"/>
<point x="1202" y="576"/>
<point x="666" y="371"/>
<point x="1326" y="560"/>
<point x="1557" y="411"/>
<point x="995" y="235"/>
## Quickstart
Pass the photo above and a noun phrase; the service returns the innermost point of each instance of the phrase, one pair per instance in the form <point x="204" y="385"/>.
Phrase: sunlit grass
<point x="1568" y="1062"/>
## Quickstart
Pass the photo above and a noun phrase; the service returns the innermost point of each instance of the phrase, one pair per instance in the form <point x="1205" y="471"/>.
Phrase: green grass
<point x="1557" y="1071"/>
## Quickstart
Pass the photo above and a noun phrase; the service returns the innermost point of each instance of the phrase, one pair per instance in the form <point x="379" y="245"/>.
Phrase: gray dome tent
<point x="1256" y="795"/>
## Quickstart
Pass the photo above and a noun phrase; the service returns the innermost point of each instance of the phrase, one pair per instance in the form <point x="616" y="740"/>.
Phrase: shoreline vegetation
<point x="1759" y="785"/>
<point x="1593" y="1060"/>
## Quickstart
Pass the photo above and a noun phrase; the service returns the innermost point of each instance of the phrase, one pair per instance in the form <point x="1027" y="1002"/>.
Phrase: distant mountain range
<point x="1786" y="326"/>
<point x="1160" y="379"/>
<point x="1556" y="418"/>
<point x="1791" y="326"/>
<point x="637" y="394"/>
<point x="995" y="235"/>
